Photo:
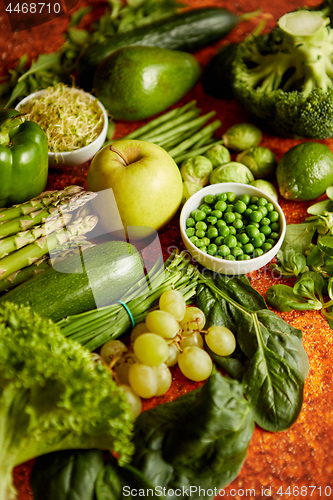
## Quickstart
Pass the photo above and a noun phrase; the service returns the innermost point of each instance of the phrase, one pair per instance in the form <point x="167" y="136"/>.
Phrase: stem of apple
<point x="119" y="154"/>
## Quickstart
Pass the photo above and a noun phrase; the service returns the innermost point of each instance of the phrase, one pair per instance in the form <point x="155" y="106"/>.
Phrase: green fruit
<point x="305" y="171"/>
<point x="135" y="83"/>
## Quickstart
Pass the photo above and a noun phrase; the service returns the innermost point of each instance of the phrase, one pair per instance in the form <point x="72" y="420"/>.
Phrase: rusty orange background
<point x="289" y="465"/>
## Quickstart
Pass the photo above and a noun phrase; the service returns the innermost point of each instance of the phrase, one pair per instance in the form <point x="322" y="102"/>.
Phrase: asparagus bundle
<point x="181" y="132"/>
<point x="31" y="230"/>
<point x="94" y="328"/>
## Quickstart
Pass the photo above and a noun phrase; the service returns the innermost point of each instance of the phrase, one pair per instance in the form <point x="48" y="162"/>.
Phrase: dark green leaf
<point x="325" y="243"/>
<point x="321" y="207"/>
<point x="283" y="298"/>
<point x="199" y="440"/>
<point x="316" y="257"/>
<point x="77" y="16"/>
<point x="300" y="235"/>
<point x="66" y="475"/>
<point x="44" y="61"/>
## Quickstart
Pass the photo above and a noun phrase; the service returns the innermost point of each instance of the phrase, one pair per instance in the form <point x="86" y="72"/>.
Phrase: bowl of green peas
<point x="232" y="228"/>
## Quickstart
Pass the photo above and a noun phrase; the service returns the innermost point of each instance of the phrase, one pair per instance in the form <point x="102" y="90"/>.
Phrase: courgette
<point x="186" y="31"/>
<point x="97" y="277"/>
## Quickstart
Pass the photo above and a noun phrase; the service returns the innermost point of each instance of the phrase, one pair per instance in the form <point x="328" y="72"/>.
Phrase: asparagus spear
<point x="65" y="201"/>
<point x="31" y="253"/>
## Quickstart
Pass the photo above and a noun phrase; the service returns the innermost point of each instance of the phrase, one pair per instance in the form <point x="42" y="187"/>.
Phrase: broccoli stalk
<point x="285" y="77"/>
<point x="53" y="396"/>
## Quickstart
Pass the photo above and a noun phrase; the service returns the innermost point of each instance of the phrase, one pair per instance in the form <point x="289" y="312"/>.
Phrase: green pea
<point x="240" y="206"/>
<point x="201" y="225"/>
<point x="224" y="231"/>
<point x="263" y="210"/>
<point x="230" y="241"/>
<point x="257" y="241"/>
<point x="222" y="197"/>
<point x="273" y="216"/>
<point x="253" y="207"/>
<point x="190" y="222"/>
<point x="194" y="212"/>
<point x="256" y="216"/>
<point x="244" y="256"/>
<point x="203" y="249"/>
<point x="212" y="232"/>
<point x="248" y="212"/>
<point x="271" y="241"/>
<point x="200" y="215"/>
<point x="243" y="238"/>
<point x="270" y="207"/>
<point x="216" y="213"/>
<point x="220" y="223"/>
<point x="238" y="224"/>
<point x="209" y="199"/>
<point x="258" y="252"/>
<point x="245" y="198"/>
<point x="262" y="202"/>
<point x="199" y="243"/>
<point x="223" y="250"/>
<point x="266" y="230"/>
<point x="236" y="251"/>
<point x="254" y="199"/>
<point x="275" y="235"/>
<point x="266" y="246"/>
<point x="275" y="226"/>
<point x="248" y="248"/>
<point x="230" y="257"/>
<point x="232" y="230"/>
<point x="219" y="240"/>
<point x="265" y="221"/>
<point x="231" y="196"/>
<point x="212" y="249"/>
<point x="205" y="208"/>
<point x="238" y="216"/>
<point x="200" y="233"/>
<point x="230" y="208"/>
<point x="252" y="231"/>
<point x="190" y="231"/>
<point x="220" y="205"/>
<point x="229" y="217"/>
<point x="211" y="219"/>
<point x="194" y="239"/>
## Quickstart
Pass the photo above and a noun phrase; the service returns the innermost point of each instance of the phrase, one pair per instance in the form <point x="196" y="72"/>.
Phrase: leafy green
<point x="66" y="475"/>
<point x="270" y="349"/>
<point x="199" y="440"/>
<point x="53" y="396"/>
<point x="283" y="298"/>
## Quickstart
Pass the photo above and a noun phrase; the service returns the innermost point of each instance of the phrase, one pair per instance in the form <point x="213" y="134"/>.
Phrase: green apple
<point x="143" y="183"/>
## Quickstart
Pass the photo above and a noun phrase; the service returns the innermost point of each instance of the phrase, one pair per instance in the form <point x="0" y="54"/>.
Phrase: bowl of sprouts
<point x="75" y="123"/>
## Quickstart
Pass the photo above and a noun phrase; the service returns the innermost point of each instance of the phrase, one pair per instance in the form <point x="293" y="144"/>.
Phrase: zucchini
<point x="187" y="31"/>
<point x="109" y="270"/>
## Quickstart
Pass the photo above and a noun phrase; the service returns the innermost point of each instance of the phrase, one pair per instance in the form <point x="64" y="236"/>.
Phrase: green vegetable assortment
<point x="234" y="228"/>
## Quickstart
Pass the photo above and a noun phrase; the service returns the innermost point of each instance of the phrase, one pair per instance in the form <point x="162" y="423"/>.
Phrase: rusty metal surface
<point x="297" y="463"/>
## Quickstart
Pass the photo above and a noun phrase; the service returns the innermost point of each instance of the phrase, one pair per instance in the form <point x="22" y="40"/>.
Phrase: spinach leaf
<point x="199" y="440"/>
<point x="66" y="475"/>
<point x="300" y="235"/>
<point x="290" y="261"/>
<point x="272" y="348"/>
<point x="283" y="298"/>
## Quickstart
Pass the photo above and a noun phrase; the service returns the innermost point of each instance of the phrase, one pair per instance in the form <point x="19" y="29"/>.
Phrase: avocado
<point x="137" y="82"/>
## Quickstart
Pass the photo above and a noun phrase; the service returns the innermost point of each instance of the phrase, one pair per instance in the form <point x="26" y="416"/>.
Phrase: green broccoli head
<point x="285" y="77"/>
<point x="53" y="396"/>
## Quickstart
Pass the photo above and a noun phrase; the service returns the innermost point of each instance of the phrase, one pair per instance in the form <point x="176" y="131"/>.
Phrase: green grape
<point x="164" y="379"/>
<point x="138" y="330"/>
<point x="111" y="350"/>
<point x="193" y="320"/>
<point x="151" y="349"/>
<point x="162" y="323"/>
<point x="195" y="363"/>
<point x="220" y="340"/>
<point x="133" y="399"/>
<point x="173" y="302"/>
<point x="143" y="380"/>
<point x="173" y="355"/>
<point x="194" y="339"/>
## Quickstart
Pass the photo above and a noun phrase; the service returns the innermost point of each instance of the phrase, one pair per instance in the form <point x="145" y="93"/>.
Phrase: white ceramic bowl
<point x="82" y="155"/>
<point x="230" y="267"/>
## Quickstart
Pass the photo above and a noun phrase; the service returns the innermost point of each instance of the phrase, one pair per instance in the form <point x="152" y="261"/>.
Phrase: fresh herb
<point x="269" y="360"/>
<point x="50" y="69"/>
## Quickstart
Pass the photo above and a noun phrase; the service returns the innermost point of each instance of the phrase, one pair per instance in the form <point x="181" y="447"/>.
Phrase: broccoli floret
<point x="285" y="77"/>
<point x="53" y="396"/>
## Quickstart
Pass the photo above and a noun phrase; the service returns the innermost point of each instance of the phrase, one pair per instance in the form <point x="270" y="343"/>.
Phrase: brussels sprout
<point x="261" y="161"/>
<point x="196" y="169"/>
<point x="189" y="188"/>
<point x="231" y="172"/>
<point x="242" y="136"/>
<point x="267" y="187"/>
<point x="218" y="155"/>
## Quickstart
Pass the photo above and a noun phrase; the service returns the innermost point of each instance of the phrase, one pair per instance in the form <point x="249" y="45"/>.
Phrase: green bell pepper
<point x="23" y="159"/>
